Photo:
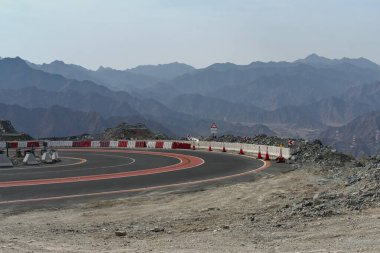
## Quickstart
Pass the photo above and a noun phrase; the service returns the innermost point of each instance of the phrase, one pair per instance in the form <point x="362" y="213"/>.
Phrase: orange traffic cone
<point x="259" y="156"/>
<point x="241" y="152"/>
<point x="224" y="149"/>
<point x="281" y="159"/>
<point x="193" y="147"/>
<point x="209" y="148"/>
<point x="267" y="158"/>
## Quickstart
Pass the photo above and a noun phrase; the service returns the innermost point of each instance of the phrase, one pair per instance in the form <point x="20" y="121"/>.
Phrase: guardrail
<point x="273" y="151"/>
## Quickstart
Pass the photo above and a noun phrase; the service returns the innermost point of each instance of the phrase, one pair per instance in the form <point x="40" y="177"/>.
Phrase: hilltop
<point x="9" y="133"/>
<point x="130" y="131"/>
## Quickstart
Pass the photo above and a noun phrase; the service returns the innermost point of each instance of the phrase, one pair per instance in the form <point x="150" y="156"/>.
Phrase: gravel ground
<point x="306" y="210"/>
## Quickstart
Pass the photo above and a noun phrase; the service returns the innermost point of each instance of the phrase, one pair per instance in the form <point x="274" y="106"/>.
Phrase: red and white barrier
<point x="273" y="151"/>
<point x="60" y="144"/>
<point x="82" y="144"/>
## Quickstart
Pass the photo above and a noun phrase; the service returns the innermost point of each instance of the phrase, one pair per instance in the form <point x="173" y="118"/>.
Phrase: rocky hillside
<point x="360" y="137"/>
<point x="130" y="131"/>
<point x="9" y="133"/>
<point x="6" y="127"/>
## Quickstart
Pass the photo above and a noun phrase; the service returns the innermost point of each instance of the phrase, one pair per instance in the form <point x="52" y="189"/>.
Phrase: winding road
<point x="87" y="174"/>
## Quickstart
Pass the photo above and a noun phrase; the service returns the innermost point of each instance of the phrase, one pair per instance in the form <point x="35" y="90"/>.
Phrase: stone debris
<point x="157" y="229"/>
<point x="120" y="233"/>
<point x="352" y="189"/>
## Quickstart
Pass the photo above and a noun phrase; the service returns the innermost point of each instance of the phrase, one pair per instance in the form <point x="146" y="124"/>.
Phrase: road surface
<point x="86" y="174"/>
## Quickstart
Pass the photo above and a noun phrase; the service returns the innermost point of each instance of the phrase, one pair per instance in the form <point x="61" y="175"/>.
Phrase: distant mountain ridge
<point x="317" y="60"/>
<point x="163" y="71"/>
<point x="126" y="80"/>
<point x="282" y="83"/>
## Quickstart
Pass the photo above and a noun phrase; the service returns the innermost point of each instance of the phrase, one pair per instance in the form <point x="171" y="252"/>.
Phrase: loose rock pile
<point x="316" y="153"/>
<point x="349" y="189"/>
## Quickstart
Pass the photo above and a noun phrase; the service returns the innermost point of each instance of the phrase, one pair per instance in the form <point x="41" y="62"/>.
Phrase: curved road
<point x="105" y="173"/>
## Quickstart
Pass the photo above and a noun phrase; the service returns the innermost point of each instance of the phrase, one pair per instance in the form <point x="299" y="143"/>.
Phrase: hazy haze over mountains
<point x="30" y="88"/>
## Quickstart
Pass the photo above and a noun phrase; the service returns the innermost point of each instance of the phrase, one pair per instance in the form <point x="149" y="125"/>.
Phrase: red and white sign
<point x="290" y="143"/>
<point x="214" y="128"/>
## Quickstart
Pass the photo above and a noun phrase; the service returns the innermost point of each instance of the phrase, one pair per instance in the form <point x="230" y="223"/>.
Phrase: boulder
<point x="120" y="233"/>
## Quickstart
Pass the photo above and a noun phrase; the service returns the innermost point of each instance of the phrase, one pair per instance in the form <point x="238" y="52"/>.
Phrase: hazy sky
<point x="125" y="33"/>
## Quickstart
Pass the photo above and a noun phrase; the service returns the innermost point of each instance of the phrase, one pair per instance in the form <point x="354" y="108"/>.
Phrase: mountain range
<point x="35" y="89"/>
<point x="124" y="80"/>
<point x="304" y="98"/>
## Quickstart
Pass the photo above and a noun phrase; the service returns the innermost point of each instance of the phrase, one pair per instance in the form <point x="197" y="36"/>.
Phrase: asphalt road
<point x="105" y="174"/>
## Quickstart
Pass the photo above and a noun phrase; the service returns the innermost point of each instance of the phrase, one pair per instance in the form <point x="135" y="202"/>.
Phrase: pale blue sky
<point x="126" y="33"/>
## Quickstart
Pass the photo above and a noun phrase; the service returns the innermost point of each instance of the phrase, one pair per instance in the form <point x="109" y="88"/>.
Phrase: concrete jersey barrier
<point x="273" y="151"/>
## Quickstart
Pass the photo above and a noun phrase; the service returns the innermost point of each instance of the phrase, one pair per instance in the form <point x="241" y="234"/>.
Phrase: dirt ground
<point x="245" y="217"/>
